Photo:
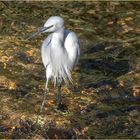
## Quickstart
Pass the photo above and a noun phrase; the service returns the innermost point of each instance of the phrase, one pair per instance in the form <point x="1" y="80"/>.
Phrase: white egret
<point x="60" y="52"/>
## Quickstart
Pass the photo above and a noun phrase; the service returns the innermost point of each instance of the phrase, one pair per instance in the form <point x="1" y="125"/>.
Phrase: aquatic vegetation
<point x="103" y="102"/>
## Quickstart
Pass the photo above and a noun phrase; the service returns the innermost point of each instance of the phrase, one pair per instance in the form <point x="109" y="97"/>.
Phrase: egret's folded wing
<point x="72" y="47"/>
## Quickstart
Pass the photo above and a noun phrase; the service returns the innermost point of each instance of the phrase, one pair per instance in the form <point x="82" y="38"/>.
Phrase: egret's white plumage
<point x="60" y="52"/>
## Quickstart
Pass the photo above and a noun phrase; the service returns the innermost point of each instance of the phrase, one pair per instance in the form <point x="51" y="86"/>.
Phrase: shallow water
<point x="103" y="102"/>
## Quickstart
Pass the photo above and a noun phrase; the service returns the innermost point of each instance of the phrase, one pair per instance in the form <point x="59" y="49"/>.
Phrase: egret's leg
<point x="59" y="92"/>
<point x="60" y="106"/>
<point x="44" y="97"/>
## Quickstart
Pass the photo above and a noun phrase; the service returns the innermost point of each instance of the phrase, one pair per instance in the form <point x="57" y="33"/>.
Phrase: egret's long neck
<point x="58" y="38"/>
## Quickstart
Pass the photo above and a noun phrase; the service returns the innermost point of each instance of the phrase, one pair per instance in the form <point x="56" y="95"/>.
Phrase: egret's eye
<point x="52" y="26"/>
<point x="49" y="26"/>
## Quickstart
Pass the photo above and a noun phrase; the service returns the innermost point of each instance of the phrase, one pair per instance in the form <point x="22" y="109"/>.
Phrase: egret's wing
<point x="72" y="47"/>
<point x="45" y="50"/>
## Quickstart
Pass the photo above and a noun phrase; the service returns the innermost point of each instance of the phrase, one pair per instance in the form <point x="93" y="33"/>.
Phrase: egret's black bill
<point x="40" y="30"/>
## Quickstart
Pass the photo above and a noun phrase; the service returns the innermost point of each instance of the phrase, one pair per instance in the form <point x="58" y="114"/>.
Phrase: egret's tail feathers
<point x="62" y="73"/>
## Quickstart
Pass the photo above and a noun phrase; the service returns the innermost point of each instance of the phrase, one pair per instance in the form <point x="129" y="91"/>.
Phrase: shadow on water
<point x="108" y="63"/>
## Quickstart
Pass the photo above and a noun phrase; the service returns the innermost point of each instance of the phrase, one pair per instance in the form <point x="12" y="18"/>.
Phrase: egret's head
<point x="53" y="24"/>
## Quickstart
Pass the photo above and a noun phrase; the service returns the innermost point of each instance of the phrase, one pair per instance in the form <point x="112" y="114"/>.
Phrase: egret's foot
<point x="61" y="107"/>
